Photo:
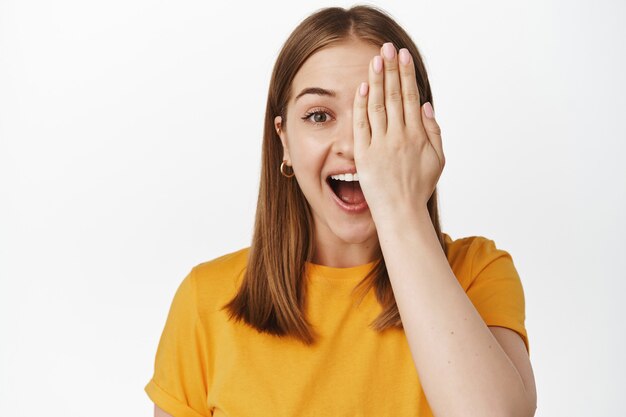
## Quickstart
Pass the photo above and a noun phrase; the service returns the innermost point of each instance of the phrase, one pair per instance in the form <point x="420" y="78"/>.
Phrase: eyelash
<point x="313" y="112"/>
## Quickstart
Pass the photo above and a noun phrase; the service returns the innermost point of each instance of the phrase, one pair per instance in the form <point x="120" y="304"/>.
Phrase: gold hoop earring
<point x="285" y="175"/>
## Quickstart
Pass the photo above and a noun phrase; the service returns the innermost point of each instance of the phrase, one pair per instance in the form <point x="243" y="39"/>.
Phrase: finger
<point x="410" y="92"/>
<point x="433" y="131"/>
<point x="376" y="99"/>
<point x="361" y="126"/>
<point x="393" y="93"/>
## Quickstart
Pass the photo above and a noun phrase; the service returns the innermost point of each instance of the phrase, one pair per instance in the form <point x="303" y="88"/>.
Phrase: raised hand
<point x="397" y="144"/>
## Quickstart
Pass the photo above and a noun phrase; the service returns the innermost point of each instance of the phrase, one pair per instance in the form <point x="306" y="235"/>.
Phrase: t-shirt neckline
<point x="356" y="272"/>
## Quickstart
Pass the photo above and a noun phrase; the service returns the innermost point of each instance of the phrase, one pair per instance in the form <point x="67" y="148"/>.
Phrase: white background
<point x="130" y="139"/>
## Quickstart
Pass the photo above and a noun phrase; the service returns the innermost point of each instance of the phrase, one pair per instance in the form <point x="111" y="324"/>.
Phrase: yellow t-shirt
<point x="207" y="365"/>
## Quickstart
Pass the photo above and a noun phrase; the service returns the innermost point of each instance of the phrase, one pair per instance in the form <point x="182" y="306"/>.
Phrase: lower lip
<point x="350" y="208"/>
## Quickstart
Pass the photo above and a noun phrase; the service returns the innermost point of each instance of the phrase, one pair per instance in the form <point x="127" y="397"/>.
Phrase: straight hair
<point x="273" y="292"/>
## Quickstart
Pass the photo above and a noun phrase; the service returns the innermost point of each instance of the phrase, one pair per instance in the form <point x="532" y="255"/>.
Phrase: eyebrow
<point x="316" y="90"/>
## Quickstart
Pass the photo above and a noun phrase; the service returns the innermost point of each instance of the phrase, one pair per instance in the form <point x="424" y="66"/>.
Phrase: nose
<point x="343" y="142"/>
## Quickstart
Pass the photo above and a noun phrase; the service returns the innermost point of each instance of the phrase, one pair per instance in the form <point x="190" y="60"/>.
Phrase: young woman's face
<point x="318" y="141"/>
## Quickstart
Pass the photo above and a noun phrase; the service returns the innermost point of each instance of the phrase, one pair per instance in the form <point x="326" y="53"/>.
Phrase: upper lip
<point x="346" y="170"/>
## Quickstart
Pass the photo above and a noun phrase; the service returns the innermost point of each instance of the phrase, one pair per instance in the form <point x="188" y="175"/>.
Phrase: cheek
<point x="308" y="163"/>
<point x="308" y="154"/>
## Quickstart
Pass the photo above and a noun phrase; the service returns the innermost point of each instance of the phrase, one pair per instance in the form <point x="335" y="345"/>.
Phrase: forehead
<point x="340" y="67"/>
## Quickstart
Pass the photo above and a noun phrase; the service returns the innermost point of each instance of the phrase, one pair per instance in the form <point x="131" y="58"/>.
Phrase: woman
<point x="348" y="206"/>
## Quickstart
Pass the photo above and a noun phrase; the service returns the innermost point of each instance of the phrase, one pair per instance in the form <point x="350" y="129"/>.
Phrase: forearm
<point x="461" y="366"/>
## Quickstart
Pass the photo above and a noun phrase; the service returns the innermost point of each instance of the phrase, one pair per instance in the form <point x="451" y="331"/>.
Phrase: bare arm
<point x="466" y="368"/>
<point x="160" y="413"/>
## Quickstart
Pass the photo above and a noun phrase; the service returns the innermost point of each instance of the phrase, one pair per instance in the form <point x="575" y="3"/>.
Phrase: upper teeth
<point x="346" y="177"/>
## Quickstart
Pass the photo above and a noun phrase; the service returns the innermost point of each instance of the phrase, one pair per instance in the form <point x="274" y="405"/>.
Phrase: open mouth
<point x="333" y="184"/>
<point x="347" y="191"/>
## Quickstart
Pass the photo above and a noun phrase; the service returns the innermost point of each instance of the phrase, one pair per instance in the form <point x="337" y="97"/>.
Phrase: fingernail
<point x="389" y="50"/>
<point x="363" y="89"/>
<point x="378" y="63"/>
<point x="428" y="110"/>
<point x="404" y="56"/>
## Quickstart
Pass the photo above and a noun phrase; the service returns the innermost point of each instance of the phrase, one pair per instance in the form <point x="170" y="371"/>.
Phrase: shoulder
<point x="231" y="262"/>
<point x="470" y="255"/>
<point x="217" y="279"/>
<point x="461" y="251"/>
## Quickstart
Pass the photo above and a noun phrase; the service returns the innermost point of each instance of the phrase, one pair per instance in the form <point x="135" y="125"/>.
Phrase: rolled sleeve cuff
<point x="168" y="403"/>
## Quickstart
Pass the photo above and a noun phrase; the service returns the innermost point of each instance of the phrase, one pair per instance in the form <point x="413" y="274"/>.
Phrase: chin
<point x="354" y="233"/>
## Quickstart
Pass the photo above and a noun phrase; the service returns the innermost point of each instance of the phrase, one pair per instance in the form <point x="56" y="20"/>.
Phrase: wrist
<point x="402" y="219"/>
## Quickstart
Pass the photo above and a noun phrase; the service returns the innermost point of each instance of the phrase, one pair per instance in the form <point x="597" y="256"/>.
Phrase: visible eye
<point x="319" y="116"/>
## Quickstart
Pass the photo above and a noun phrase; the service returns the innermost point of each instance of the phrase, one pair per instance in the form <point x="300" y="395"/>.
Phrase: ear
<point x="283" y="138"/>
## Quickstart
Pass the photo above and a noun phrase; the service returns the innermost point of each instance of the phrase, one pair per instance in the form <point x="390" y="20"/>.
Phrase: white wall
<point x="130" y="138"/>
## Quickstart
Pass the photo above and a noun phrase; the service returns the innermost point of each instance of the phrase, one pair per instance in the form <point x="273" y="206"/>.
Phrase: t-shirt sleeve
<point x="496" y="288"/>
<point x="179" y="383"/>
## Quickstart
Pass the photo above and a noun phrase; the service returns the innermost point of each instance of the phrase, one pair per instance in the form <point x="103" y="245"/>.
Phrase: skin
<point x="466" y="368"/>
<point x="158" y="412"/>
<point x="342" y="239"/>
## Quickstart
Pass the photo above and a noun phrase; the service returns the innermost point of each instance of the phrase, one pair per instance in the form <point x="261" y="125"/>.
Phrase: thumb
<point x="432" y="130"/>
